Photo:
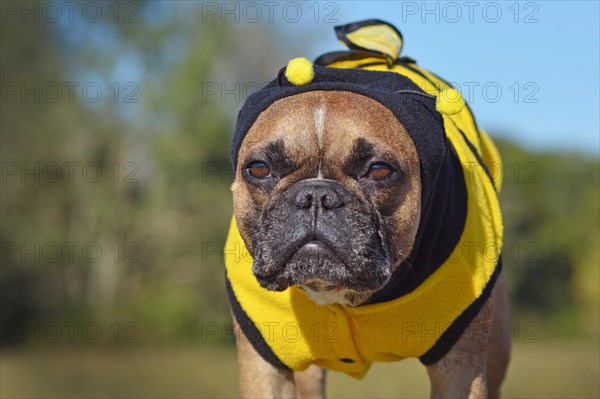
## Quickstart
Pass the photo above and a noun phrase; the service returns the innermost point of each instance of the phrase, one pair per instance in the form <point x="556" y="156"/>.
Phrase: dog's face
<point x="327" y="195"/>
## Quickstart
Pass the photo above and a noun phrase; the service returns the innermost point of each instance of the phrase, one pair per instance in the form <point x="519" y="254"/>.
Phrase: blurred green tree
<point x="551" y="251"/>
<point x="161" y="209"/>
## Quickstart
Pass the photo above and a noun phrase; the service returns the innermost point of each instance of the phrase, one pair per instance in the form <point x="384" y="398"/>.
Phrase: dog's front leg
<point x="257" y="377"/>
<point x="462" y="373"/>
<point x="310" y="383"/>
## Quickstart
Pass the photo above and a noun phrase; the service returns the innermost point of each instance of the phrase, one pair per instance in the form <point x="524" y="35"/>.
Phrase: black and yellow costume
<point x="455" y="261"/>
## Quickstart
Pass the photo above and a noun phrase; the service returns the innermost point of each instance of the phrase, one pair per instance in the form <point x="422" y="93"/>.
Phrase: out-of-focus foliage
<point x="552" y="238"/>
<point x="161" y="209"/>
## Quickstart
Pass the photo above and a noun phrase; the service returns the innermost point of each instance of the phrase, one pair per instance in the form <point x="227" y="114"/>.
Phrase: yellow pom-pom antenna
<point x="299" y="71"/>
<point x="449" y="102"/>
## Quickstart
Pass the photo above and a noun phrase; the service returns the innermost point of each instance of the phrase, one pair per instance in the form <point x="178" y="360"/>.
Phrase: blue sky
<point x="530" y="70"/>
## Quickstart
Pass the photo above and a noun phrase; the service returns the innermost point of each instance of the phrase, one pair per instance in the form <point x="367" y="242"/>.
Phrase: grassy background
<point x="553" y="369"/>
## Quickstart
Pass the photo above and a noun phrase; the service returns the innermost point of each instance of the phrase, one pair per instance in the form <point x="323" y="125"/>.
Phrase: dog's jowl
<point x="364" y="214"/>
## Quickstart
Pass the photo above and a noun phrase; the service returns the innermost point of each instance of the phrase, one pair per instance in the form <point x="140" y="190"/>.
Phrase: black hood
<point x="443" y="193"/>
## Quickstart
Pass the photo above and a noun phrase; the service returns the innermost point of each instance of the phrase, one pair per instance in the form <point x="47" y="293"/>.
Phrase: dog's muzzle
<point x="319" y="230"/>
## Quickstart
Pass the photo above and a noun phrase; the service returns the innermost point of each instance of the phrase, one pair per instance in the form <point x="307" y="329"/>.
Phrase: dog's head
<point x="327" y="193"/>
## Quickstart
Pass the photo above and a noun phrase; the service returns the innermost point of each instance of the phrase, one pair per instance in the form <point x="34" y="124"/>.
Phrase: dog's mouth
<point x="316" y="269"/>
<point x="310" y="261"/>
<point x="314" y="248"/>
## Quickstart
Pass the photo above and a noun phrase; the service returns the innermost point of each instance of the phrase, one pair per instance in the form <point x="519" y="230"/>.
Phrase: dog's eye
<point x="379" y="171"/>
<point x="258" y="170"/>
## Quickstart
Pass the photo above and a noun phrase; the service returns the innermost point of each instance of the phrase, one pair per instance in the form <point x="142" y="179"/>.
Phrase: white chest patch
<point x="329" y="297"/>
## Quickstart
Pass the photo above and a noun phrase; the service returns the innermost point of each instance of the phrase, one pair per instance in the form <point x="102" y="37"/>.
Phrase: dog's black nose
<point x="316" y="192"/>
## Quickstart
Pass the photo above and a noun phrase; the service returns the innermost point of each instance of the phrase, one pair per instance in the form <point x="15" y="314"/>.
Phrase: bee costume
<point x="434" y="295"/>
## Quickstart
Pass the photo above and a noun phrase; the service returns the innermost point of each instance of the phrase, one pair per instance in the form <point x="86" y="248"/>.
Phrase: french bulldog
<point x="355" y="199"/>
